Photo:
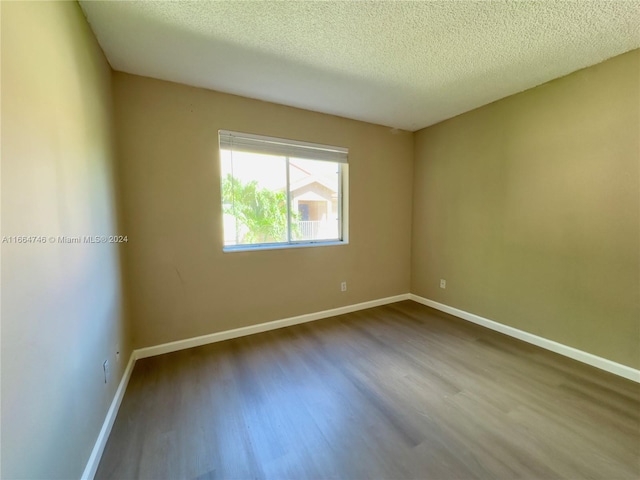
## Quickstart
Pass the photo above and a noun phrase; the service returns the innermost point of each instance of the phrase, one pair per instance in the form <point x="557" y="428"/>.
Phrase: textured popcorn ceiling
<point x="402" y="64"/>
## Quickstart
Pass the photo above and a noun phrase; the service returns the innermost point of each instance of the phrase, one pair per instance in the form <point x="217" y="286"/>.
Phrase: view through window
<point x="281" y="192"/>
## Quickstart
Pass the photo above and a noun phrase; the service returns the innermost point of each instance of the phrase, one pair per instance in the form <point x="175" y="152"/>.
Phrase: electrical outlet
<point x="443" y="283"/>
<point x="107" y="370"/>
<point x="343" y="287"/>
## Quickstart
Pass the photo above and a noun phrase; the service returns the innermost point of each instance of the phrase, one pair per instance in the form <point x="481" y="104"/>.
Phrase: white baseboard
<point x="588" y="358"/>
<point x="98" y="449"/>
<point x="103" y="436"/>
<point x="574" y="353"/>
<point x="262" y="327"/>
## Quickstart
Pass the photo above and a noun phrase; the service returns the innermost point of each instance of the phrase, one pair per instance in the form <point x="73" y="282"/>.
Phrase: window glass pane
<point x="314" y="191"/>
<point x="278" y="192"/>
<point x="254" y="198"/>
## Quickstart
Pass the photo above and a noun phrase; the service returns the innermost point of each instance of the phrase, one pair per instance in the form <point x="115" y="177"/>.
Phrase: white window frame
<point x="298" y="149"/>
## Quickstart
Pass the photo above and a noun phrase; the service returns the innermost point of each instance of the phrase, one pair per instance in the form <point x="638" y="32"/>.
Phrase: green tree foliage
<point x="262" y="211"/>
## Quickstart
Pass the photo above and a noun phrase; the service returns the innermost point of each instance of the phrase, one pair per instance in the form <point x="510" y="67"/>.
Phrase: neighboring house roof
<point x="310" y="196"/>
<point x="311" y="180"/>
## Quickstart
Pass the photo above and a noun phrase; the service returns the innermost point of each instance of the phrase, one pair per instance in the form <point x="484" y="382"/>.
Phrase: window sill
<point x="284" y="246"/>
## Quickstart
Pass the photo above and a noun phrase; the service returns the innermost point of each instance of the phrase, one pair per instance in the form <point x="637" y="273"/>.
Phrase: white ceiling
<point x="401" y="64"/>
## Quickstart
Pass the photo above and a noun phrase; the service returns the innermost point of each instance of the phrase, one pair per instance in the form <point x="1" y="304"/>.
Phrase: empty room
<point x="320" y="240"/>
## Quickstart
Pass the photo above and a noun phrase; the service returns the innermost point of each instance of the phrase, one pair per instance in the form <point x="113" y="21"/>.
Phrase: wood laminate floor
<point x="394" y="392"/>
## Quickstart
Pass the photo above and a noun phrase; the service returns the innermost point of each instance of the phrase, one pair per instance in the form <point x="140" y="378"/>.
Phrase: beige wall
<point x="530" y="209"/>
<point x="182" y="284"/>
<point x="61" y="304"/>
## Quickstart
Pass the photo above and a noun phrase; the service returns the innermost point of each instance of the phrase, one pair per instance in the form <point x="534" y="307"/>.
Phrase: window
<point x="278" y="192"/>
